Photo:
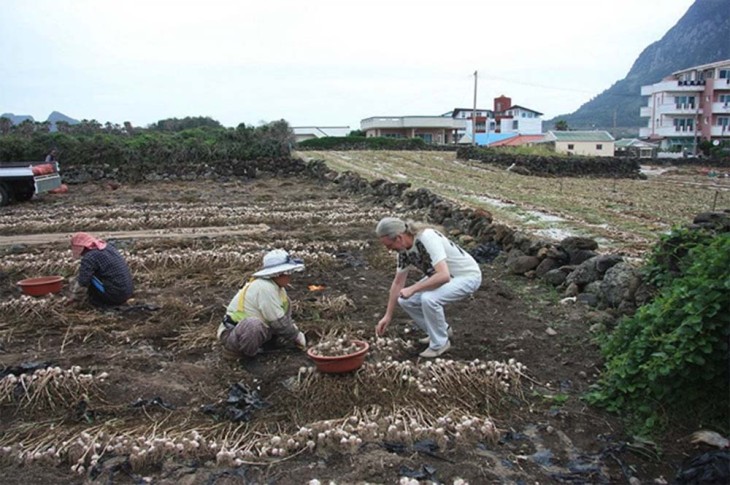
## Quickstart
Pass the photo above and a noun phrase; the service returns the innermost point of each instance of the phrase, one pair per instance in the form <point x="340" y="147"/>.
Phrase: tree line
<point x="191" y="139"/>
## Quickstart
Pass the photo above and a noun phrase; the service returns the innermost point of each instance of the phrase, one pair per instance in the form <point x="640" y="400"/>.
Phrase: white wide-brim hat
<point x="278" y="262"/>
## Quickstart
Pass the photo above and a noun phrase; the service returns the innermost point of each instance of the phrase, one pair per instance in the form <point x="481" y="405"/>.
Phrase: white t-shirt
<point x="430" y="247"/>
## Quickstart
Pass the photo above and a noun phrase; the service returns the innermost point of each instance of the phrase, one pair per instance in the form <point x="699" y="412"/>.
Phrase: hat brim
<point x="279" y="269"/>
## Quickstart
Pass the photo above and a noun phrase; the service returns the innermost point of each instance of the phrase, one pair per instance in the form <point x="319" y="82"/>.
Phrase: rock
<point x="597" y="328"/>
<point x="485" y="253"/>
<point x="523" y="242"/>
<point x="572" y="290"/>
<point x="522" y="264"/>
<point x="559" y="254"/>
<point x="588" y="299"/>
<point x="644" y="293"/>
<point x="719" y="221"/>
<point x="594" y="288"/>
<point x="576" y="242"/>
<point x="606" y="262"/>
<point x="579" y="249"/>
<point x="619" y="284"/>
<point x="585" y="273"/>
<point x="626" y="308"/>
<point x="580" y="255"/>
<point x="555" y="277"/>
<point x="466" y="240"/>
<point x="547" y="264"/>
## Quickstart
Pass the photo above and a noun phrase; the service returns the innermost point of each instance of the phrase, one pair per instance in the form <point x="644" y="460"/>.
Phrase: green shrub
<point x="672" y="354"/>
<point x="363" y="143"/>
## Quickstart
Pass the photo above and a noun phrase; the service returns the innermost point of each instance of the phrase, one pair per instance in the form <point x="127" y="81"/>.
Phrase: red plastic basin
<point x="41" y="286"/>
<point x="340" y="363"/>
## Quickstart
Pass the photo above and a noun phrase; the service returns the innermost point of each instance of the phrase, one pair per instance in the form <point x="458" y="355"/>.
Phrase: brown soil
<point x="163" y="347"/>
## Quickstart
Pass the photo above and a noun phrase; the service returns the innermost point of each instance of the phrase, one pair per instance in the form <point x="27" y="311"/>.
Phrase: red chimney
<point x="502" y="103"/>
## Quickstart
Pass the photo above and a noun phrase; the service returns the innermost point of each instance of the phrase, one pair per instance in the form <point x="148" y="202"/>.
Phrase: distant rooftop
<point x="596" y="135"/>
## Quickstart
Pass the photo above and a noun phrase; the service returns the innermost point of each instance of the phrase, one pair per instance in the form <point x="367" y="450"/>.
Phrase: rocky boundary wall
<point x="82" y="173"/>
<point x="693" y="161"/>
<point x="574" y="266"/>
<point x="542" y="166"/>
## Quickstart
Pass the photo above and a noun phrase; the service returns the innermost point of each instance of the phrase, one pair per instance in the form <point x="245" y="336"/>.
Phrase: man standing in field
<point x="450" y="274"/>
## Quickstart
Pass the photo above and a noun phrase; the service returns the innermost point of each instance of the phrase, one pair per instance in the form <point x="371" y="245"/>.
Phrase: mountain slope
<point x="701" y="36"/>
<point x="16" y="119"/>
<point x="56" y="117"/>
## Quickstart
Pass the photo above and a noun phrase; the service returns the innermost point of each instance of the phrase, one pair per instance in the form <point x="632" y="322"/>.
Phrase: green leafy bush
<point x="363" y="143"/>
<point x="672" y="354"/>
<point x="169" y="143"/>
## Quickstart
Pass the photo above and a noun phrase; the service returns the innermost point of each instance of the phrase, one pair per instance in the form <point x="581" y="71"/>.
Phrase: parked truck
<point x="20" y="181"/>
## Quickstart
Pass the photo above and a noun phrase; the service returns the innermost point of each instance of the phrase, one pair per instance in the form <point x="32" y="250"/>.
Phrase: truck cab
<point x="19" y="181"/>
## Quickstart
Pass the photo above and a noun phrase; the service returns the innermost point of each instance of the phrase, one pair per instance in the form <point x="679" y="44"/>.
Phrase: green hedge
<point x="197" y="145"/>
<point x="342" y="143"/>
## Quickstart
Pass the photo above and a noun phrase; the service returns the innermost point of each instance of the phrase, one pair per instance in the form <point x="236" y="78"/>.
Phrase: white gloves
<point x="301" y="341"/>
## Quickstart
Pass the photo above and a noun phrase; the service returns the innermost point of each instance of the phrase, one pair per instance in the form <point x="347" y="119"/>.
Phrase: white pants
<point x="426" y="308"/>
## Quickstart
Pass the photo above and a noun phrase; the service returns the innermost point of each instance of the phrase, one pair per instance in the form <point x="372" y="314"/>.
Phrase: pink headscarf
<point x="82" y="240"/>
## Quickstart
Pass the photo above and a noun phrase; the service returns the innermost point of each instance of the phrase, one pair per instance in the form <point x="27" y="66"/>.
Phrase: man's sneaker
<point x="427" y="339"/>
<point x="430" y="353"/>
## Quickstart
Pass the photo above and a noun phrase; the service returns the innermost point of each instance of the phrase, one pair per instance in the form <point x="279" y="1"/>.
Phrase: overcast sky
<point x="315" y="62"/>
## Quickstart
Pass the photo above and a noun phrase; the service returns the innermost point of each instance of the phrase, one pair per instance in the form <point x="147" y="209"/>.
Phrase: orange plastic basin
<point x="340" y="363"/>
<point x="41" y="286"/>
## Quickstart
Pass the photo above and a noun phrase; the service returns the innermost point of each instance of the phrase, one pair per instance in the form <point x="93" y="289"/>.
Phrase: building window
<point x="571" y="146"/>
<point x="685" y="102"/>
<point x="599" y="146"/>
<point x="427" y="137"/>
<point x="724" y="98"/>
<point x="683" y="124"/>
<point x="723" y="121"/>
<point x="515" y="124"/>
<point x="724" y="73"/>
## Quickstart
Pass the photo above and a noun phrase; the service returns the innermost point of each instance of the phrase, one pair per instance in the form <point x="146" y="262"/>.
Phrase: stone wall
<point x="555" y="166"/>
<point x="74" y="174"/>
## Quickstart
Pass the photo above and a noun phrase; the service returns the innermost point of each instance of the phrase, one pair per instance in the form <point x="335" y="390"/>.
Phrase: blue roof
<point x="489" y="138"/>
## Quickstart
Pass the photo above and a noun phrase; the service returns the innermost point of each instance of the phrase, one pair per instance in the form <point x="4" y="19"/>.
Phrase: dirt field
<point x="133" y="409"/>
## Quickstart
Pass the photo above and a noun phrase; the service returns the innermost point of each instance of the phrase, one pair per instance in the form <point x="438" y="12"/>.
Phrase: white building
<point x="689" y="106"/>
<point x="596" y="143"/>
<point x="302" y="133"/>
<point x="440" y="130"/>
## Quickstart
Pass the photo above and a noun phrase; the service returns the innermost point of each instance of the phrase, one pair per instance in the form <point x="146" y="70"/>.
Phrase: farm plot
<point x="622" y="215"/>
<point x="143" y="393"/>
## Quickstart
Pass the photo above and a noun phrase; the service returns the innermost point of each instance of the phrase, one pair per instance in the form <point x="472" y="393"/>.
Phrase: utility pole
<point x="474" y="114"/>
<point x="697" y="122"/>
